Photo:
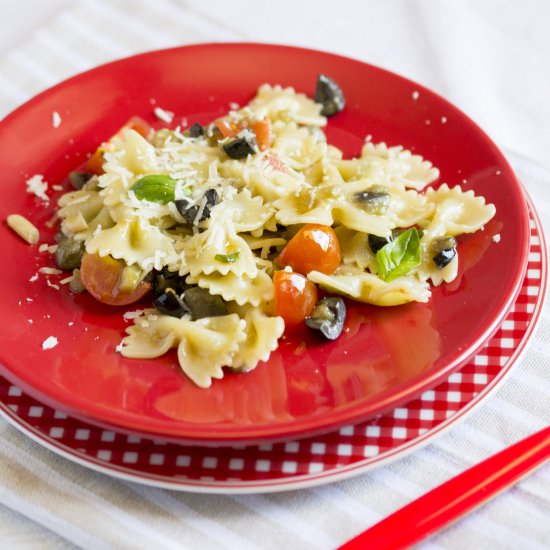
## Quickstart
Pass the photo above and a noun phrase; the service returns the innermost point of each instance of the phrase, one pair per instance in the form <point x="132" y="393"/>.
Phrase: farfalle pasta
<point x="231" y="229"/>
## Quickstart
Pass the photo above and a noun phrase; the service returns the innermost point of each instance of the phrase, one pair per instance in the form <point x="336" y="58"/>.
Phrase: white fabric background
<point x="489" y="57"/>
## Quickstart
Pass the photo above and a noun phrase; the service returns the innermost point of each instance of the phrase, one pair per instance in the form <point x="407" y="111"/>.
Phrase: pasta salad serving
<point x="253" y="224"/>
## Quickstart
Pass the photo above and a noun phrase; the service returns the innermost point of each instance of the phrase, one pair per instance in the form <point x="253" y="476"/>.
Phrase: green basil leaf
<point x="227" y="258"/>
<point x="399" y="256"/>
<point x="155" y="188"/>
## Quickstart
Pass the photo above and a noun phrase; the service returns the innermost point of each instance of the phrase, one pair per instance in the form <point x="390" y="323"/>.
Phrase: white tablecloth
<point x="491" y="58"/>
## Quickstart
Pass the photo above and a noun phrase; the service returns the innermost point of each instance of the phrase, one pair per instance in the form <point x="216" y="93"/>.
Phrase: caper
<point x="328" y="317"/>
<point x="212" y="131"/>
<point x="60" y="237"/>
<point x="69" y="253"/>
<point x="196" y="130"/>
<point x="443" y="250"/>
<point x="171" y="304"/>
<point x="329" y="95"/>
<point x="165" y="279"/>
<point x="374" y="199"/>
<point x="79" y="179"/>
<point x="203" y="304"/>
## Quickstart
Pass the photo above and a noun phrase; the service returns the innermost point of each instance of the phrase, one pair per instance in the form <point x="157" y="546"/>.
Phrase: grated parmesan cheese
<point x="119" y="347"/>
<point x="33" y="278"/>
<point x="50" y="342"/>
<point x="52" y="285"/>
<point x="56" y="119"/>
<point x="129" y="315"/>
<point x="37" y="186"/>
<point x="165" y="116"/>
<point x="496" y="238"/>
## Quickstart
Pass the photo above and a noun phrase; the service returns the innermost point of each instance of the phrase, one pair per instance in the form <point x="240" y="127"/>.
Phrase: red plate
<point x="386" y="356"/>
<point x="311" y="461"/>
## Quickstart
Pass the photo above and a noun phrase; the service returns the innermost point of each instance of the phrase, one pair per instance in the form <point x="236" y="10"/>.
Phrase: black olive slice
<point x="203" y="304"/>
<point x="328" y="317"/>
<point x="212" y="198"/>
<point x="165" y="279"/>
<point x="79" y="179"/>
<point x="241" y="146"/>
<point x="189" y="212"/>
<point x="68" y="254"/>
<point x="329" y="95"/>
<point x="169" y="303"/>
<point x="443" y="250"/>
<point x="374" y="199"/>
<point x="196" y="130"/>
<point x="376" y="242"/>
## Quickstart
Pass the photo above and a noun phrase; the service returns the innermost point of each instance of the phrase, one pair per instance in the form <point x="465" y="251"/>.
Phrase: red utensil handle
<point x="455" y="497"/>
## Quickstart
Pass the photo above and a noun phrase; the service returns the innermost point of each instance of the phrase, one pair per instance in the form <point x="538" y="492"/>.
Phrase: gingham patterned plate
<point x="307" y="462"/>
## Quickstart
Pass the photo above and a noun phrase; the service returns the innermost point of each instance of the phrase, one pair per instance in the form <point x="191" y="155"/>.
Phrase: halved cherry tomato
<point x="101" y="275"/>
<point x="295" y="296"/>
<point x="276" y="163"/>
<point x="227" y="128"/>
<point x="314" y="248"/>
<point x="137" y="124"/>
<point x="262" y="129"/>
<point x="94" y="165"/>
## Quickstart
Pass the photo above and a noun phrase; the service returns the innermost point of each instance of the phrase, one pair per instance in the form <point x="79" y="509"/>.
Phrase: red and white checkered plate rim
<point x="301" y="463"/>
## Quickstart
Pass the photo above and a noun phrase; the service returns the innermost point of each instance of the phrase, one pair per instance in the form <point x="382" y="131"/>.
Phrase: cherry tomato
<point x="94" y="165"/>
<point x="137" y="124"/>
<point x="100" y="276"/>
<point x="276" y="163"/>
<point x="227" y="128"/>
<point x="314" y="248"/>
<point x="262" y="129"/>
<point x="295" y="296"/>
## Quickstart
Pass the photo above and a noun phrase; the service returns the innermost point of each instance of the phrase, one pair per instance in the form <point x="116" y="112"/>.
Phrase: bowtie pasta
<point x="234" y="226"/>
